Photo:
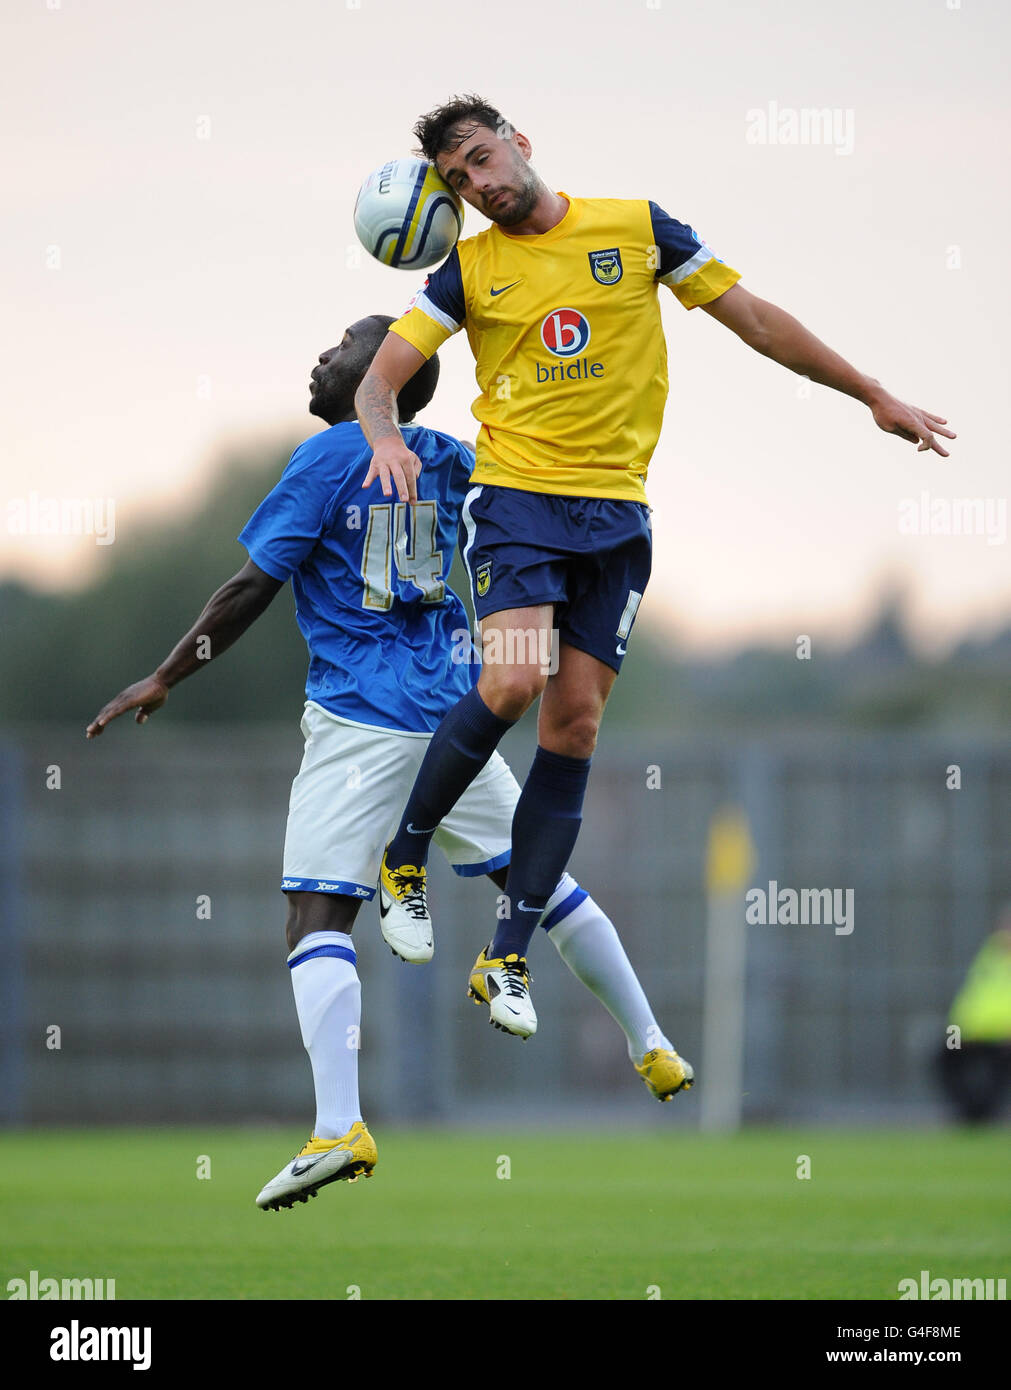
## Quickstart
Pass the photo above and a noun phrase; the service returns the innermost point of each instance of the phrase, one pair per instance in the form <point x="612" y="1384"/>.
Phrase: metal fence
<point x="143" y="959"/>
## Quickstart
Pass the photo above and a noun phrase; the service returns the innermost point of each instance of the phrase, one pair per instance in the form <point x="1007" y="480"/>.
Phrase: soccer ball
<point x="406" y="215"/>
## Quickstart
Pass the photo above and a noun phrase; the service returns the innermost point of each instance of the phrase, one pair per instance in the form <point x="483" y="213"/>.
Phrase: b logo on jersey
<point x="565" y="332"/>
<point x="482" y="576"/>
<point x="606" y="266"/>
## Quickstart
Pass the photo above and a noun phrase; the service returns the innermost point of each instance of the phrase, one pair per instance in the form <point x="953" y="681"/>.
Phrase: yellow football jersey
<point x="566" y="333"/>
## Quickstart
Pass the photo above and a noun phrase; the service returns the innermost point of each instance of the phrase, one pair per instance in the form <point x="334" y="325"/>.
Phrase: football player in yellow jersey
<point x="559" y="300"/>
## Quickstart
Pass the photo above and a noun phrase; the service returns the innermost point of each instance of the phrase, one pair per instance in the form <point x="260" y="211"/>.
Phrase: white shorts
<point x="350" y="793"/>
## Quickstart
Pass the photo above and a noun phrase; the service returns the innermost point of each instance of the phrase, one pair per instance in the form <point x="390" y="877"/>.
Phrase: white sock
<point x="587" y="942"/>
<point x="328" y="998"/>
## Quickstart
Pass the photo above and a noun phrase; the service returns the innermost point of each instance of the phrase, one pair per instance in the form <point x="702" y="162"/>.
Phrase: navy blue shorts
<point x="589" y="556"/>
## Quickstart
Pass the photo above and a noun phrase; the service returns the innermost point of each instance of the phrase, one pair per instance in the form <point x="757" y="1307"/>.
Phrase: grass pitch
<point x="612" y="1215"/>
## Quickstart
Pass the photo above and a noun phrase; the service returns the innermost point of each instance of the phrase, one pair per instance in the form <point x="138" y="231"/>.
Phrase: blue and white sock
<point x="588" y="943"/>
<point x="328" y="998"/>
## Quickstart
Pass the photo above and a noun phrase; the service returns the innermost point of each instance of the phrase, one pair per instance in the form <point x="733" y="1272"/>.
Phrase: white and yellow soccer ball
<point x="406" y="215"/>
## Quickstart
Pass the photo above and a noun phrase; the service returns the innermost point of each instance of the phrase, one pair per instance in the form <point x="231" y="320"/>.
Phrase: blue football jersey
<point x="385" y="632"/>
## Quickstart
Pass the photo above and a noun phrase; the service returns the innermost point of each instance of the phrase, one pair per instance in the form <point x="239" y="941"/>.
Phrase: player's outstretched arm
<point x="376" y="407"/>
<point x="227" y="614"/>
<point x="776" y="334"/>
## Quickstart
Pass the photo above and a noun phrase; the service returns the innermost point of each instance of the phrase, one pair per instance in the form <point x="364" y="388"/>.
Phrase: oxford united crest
<point x="483" y="578"/>
<point x="606" y="266"/>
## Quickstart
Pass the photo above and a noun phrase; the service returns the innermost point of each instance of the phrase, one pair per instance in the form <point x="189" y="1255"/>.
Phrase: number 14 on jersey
<point x="387" y="543"/>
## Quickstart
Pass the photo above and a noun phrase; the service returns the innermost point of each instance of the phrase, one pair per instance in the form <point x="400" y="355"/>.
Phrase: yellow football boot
<point x="665" y="1073"/>
<point x="504" y="985"/>
<point x="319" y="1162"/>
<point x="403" y="912"/>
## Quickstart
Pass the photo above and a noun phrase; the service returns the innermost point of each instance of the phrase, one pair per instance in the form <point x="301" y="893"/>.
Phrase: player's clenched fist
<point x="392" y="461"/>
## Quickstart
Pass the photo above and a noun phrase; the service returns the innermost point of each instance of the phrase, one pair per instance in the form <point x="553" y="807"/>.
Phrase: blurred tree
<point x="64" y="655"/>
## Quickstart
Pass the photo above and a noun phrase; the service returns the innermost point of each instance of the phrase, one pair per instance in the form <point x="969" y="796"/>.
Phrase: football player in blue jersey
<point x="383" y="630"/>
<point x="559" y="301"/>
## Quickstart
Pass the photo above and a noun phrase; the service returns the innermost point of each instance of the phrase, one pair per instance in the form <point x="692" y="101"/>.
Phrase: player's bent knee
<point x="314" y="912"/>
<point x="575" y="737"/>
<point x="510" y="691"/>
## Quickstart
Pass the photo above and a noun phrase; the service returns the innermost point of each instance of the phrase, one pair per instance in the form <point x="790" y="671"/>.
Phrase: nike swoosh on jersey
<point x="523" y="907"/>
<point x="495" y="292"/>
<point x="411" y="830"/>
<point x="619" y="650"/>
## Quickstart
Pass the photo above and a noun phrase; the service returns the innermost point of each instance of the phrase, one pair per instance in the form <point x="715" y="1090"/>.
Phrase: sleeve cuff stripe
<point x="434" y="312"/>
<point x="682" y="272"/>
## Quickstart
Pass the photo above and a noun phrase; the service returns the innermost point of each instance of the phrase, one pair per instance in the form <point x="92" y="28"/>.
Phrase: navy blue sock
<point x="460" y="748"/>
<point x="545" y="826"/>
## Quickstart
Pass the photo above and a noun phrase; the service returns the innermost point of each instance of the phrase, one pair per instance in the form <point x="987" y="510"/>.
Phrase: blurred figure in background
<point x="975" y="1066"/>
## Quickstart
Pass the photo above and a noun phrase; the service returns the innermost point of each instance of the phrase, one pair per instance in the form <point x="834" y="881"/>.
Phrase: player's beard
<point x="333" y="400"/>
<point x="521" y="203"/>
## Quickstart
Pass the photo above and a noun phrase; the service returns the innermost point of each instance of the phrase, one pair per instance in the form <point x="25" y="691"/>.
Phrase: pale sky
<point x="177" y="211"/>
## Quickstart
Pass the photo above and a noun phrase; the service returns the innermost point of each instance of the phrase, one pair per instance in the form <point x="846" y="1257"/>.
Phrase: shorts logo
<point x="606" y="266"/>
<point x="482" y="578"/>
<point x="565" y="332"/>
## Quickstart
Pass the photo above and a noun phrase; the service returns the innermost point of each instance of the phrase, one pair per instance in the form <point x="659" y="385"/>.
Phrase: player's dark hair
<point x="419" y="390"/>
<point x="435" y="134"/>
